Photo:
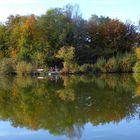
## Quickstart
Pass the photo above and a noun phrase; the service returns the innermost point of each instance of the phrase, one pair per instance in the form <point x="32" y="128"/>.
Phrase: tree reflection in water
<point x="65" y="105"/>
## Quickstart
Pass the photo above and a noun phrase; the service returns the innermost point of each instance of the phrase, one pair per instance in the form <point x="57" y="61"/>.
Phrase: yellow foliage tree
<point x="67" y="55"/>
<point x="137" y="52"/>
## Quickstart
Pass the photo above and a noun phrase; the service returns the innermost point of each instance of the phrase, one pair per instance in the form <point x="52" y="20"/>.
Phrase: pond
<point x="100" y="107"/>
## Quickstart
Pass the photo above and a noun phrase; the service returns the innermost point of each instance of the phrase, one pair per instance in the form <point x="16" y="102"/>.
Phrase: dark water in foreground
<point x="101" y="107"/>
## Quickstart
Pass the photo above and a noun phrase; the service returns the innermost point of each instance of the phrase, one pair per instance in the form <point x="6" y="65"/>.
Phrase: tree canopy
<point x="37" y="39"/>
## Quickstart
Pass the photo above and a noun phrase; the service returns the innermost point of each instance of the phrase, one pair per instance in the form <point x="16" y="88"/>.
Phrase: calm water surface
<point x="102" y="107"/>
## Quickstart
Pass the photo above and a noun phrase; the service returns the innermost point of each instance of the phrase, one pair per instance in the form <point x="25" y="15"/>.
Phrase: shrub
<point x="137" y="91"/>
<point x="66" y="67"/>
<point x="100" y="64"/>
<point x="136" y="77"/>
<point x="137" y="52"/>
<point x="6" y="66"/>
<point x="111" y="65"/>
<point x="136" y="67"/>
<point x="86" y="68"/>
<point x="70" y="67"/>
<point x="126" y="62"/>
<point x="24" y="68"/>
<point x="74" y="68"/>
<point x="66" y="53"/>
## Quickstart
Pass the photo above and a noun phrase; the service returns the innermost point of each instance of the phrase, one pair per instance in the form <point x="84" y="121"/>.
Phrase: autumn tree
<point x="3" y="42"/>
<point x="27" y="41"/>
<point x="67" y="55"/>
<point x="13" y="33"/>
<point x="110" y="37"/>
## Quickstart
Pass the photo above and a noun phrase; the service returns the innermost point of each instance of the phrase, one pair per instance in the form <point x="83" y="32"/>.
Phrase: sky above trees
<point x="121" y="9"/>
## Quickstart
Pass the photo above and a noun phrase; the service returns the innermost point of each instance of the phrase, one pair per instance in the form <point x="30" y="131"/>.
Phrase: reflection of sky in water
<point x="128" y="130"/>
<point x="7" y="132"/>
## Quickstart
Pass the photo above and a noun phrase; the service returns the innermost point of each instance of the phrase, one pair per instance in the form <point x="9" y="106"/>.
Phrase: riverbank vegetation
<point x="62" y="38"/>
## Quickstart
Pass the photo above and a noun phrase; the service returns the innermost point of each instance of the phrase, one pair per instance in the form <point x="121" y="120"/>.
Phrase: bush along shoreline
<point x="122" y="63"/>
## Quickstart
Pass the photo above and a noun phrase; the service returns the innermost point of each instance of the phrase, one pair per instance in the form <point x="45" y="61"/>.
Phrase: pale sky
<point x="121" y="9"/>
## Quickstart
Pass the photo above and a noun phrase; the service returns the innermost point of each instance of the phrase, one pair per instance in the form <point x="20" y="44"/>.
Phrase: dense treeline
<point x="39" y="40"/>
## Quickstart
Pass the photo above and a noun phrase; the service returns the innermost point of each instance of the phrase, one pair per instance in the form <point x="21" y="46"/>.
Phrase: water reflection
<point x="65" y="105"/>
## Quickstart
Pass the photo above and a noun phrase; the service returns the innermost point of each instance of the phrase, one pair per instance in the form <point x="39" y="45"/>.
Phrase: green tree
<point x="27" y="40"/>
<point x="54" y="27"/>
